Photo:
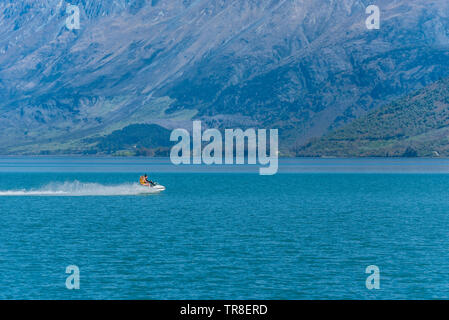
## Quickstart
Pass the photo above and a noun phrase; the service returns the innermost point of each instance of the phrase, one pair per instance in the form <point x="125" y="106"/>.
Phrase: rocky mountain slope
<point x="417" y="125"/>
<point x="303" y="66"/>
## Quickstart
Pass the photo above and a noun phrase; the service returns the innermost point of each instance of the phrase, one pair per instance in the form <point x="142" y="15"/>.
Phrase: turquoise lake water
<point x="308" y="232"/>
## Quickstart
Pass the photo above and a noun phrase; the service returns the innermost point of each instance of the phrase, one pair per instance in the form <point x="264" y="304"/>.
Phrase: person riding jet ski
<point x="145" y="182"/>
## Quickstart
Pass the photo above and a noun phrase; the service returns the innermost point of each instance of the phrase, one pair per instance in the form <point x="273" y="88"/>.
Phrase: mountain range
<point x="306" y="67"/>
<point x="417" y="125"/>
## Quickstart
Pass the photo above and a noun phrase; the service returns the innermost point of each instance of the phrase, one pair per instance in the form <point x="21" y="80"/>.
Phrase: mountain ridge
<point x="305" y="67"/>
<point x="417" y="125"/>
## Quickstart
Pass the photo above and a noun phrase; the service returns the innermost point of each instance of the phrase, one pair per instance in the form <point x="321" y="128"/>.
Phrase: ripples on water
<point x="302" y="234"/>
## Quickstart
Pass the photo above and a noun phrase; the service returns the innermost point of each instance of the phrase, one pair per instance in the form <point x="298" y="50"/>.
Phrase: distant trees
<point x="414" y="126"/>
<point x="137" y="139"/>
<point x="410" y="153"/>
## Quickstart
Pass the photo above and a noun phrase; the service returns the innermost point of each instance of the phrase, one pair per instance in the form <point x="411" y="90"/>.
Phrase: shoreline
<point x="165" y="157"/>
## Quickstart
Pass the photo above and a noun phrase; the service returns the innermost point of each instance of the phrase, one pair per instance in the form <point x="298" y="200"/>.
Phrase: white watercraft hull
<point x="157" y="187"/>
<point x="153" y="189"/>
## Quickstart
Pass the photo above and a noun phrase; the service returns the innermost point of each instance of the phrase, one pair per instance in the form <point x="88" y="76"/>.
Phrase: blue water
<point x="308" y="232"/>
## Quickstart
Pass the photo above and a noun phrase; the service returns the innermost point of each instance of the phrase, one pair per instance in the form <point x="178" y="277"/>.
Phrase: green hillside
<point x="417" y="125"/>
<point x="136" y="139"/>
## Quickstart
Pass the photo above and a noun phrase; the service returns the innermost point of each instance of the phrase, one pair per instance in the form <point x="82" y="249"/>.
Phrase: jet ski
<point x="155" y="188"/>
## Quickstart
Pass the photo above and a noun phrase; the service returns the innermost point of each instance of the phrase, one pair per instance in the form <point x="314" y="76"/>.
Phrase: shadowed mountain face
<point x="417" y="125"/>
<point x="302" y="66"/>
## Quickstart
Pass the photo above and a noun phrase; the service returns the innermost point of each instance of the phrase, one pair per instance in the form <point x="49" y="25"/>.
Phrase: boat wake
<point x="76" y="188"/>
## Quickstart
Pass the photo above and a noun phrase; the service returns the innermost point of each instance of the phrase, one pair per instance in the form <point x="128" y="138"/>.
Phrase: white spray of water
<point x="77" y="188"/>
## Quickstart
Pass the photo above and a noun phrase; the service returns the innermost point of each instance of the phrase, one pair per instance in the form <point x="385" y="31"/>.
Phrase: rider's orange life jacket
<point x="142" y="180"/>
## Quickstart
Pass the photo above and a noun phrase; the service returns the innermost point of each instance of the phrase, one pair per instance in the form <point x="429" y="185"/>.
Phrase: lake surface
<point x="224" y="232"/>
